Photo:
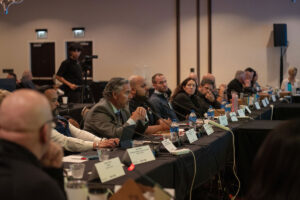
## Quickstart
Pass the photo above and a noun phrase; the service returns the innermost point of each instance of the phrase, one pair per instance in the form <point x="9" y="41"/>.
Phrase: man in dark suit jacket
<point x="25" y="128"/>
<point x="109" y="117"/>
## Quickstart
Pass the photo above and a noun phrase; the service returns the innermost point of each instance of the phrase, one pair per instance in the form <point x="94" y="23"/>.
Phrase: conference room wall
<point x="242" y="37"/>
<point x="132" y="36"/>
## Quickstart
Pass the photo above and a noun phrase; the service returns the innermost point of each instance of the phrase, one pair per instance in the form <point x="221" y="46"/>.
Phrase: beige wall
<point x="139" y="36"/>
<point x="242" y="37"/>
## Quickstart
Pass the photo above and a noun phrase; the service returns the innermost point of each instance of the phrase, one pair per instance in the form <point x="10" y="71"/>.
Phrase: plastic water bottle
<point x="210" y="113"/>
<point x="192" y="120"/>
<point x="289" y="87"/>
<point x="174" y="130"/>
<point x="227" y="109"/>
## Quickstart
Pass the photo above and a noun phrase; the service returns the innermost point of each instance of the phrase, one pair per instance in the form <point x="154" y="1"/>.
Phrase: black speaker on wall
<point x="280" y="35"/>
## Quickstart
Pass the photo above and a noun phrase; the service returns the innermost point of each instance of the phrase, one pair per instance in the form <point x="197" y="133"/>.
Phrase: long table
<point x="211" y="152"/>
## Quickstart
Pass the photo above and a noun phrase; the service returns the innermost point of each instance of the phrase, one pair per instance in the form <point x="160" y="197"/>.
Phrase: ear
<point x="114" y="95"/>
<point x="43" y="134"/>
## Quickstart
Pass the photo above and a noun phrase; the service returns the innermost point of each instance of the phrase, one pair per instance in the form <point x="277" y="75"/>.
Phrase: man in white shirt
<point x="71" y="138"/>
<point x="295" y="83"/>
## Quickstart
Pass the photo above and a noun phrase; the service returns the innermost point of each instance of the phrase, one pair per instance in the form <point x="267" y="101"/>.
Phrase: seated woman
<point x="185" y="99"/>
<point x="275" y="172"/>
<point x="292" y="72"/>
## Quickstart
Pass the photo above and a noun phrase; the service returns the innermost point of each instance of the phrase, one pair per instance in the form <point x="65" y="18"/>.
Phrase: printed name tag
<point x="264" y="103"/>
<point x="257" y="106"/>
<point x="168" y="145"/>
<point x="233" y="117"/>
<point x="223" y="120"/>
<point x="241" y="113"/>
<point x="191" y="135"/>
<point x="267" y="101"/>
<point x="140" y="154"/>
<point x="109" y="169"/>
<point x="208" y="129"/>
<point x="273" y="98"/>
<point x="248" y="109"/>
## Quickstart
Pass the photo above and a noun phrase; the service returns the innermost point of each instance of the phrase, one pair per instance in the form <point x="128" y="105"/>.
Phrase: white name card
<point x="273" y="98"/>
<point x="223" y="120"/>
<point x="257" y="106"/>
<point x="140" y="154"/>
<point x="208" y="129"/>
<point x="109" y="169"/>
<point x="267" y="101"/>
<point x="191" y="135"/>
<point x="233" y="117"/>
<point x="264" y="103"/>
<point x="248" y="109"/>
<point x="168" y="145"/>
<point x="241" y="113"/>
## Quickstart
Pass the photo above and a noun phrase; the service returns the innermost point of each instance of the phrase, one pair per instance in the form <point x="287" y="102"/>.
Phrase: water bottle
<point x="289" y="87"/>
<point x="174" y="130"/>
<point x="192" y="120"/>
<point x="227" y="109"/>
<point x="210" y="113"/>
<point x="223" y="104"/>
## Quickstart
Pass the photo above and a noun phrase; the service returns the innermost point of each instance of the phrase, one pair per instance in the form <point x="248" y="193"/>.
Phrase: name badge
<point x="264" y="103"/>
<point x="223" y="120"/>
<point x="191" y="135"/>
<point x="273" y="98"/>
<point x="241" y="113"/>
<point x="257" y="106"/>
<point x="140" y="154"/>
<point x="233" y="117"/>
<point x="168" y="145"/>
<point x="109" y="169"/>
<point x="208" y="129"/>
<point x="248" y="109"/>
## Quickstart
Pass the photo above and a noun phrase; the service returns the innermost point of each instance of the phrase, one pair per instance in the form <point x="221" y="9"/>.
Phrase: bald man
<point x="71" y="138"/>
<point x="139" y="98"/>
<point x="25" y="128"/>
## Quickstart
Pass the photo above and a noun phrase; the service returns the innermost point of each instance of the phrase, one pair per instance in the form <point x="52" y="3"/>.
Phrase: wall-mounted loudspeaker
<point x="280" y="35"/>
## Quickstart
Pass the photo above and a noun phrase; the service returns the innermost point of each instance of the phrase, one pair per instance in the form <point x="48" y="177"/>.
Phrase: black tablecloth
<point x="286" y="111"/>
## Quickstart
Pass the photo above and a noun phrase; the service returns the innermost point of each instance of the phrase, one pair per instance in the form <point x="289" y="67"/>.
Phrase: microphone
<point x="219" y="125"/>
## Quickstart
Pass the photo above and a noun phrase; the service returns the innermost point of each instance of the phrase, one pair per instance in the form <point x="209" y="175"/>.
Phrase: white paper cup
<point x="65" y="100"/>
<point x="76" y="190"/>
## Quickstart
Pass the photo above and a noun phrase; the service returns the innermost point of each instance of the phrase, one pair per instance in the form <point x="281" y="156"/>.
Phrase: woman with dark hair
<point x="185" y="99"/>
<point x="276" y="169"/>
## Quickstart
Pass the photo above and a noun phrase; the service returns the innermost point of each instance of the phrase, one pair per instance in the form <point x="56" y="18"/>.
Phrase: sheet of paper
<point x="109" y="169"/>
<point x="191" y="135"/>
<point x="140" y="154"/>
<point x="74" y="159"/>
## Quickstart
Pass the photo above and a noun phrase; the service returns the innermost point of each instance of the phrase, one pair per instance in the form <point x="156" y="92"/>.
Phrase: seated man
<point x="139" y="99"/>
<point x="71" y="138"/>
<point x="220" y="92"/>
<point x="159" y="99"/>
<point x="239" y="84"/>
<point x="25" y="146"/>
<point x="109" y="117"/>
<point x="26" y="80"/>
<point x="207" y="98"/>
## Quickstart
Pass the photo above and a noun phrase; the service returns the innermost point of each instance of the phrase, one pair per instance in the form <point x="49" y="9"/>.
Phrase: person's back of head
<point x="239" y="75"/>
<point x="26" y="76"/>
<point x="276" y="167"/>
<point x="25" y="118"/>
<point x="3" y="94"/>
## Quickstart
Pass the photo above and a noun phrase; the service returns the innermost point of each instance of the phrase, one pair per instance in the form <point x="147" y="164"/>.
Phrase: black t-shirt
<point x="71" y="71"/>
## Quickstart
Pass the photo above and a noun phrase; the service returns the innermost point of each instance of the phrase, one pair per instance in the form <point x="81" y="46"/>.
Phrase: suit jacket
<point x="103" y="122"/>
<point x="22" y="176"/>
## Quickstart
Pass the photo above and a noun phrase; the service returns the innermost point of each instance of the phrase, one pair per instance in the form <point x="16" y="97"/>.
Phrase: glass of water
<point x="103" y="154"/>
<point x="77" y="170"/>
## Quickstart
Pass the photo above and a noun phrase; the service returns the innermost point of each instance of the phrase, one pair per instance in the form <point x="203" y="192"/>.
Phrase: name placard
<point x="274" y="98"/>
<point x="233" y="117"/>
<point x="168" y="145"/>
<point x="208" y="129"/>
<point x="264" y="103"/>
<point x="109" y="169"/>
<point x="267" y="101"/>
<point x="241" y="113"/>
<point x="248" y="109"/>
<point x="223" y="120"/>
<point x="140" y="154"/>
<point x="191" y="135"/>
<point x="257" y="106"/>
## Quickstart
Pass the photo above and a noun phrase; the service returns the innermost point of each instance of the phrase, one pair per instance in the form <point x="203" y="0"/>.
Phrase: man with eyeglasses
<point x="71" y="138"/>
<point x="205" y="93"/>
<point x="70" y="74"/>
<point x="159" y="99"/>
<point x="26" y="147"/>
<point x="139" y="93"/>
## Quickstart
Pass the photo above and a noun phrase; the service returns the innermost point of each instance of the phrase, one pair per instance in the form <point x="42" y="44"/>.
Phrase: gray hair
<point x="114" y="85"/>
<point x="239" y="74"/>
